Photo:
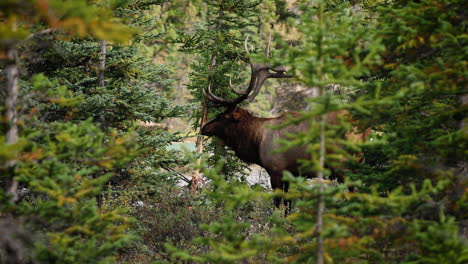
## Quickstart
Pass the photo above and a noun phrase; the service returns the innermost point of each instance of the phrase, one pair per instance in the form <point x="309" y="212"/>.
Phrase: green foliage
<point x="99" y="186"/>
<point x="218" y="44"/>
<point x="423" y="57"/>
<point x="241" y="233"/>
<point x="79" y="140"/>
<point x="23" y="19"/>
<point x="397" y="84"/>
<point x="64" y="167"/>
<point x="170" y="215"/>
<point x="439" y="242"/>
<point x="219" y="37"/>
<point x="63" y="192"/>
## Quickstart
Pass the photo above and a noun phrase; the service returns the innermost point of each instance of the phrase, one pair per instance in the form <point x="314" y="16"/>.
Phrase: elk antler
<point x="258" y="74"/>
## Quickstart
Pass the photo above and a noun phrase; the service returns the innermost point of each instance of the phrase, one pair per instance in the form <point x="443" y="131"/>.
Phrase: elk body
<point x="253" y="139"/>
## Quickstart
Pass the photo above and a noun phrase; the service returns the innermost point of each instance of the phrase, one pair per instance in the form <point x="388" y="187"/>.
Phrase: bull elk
<point x="253" y="139"/>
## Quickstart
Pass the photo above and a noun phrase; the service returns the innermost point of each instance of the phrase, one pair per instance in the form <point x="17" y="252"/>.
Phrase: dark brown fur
<point x="254" y="141"/>
<point x="243" y="132"/>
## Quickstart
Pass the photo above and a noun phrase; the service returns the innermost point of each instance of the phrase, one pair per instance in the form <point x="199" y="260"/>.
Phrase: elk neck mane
<point x="246" y="135"/>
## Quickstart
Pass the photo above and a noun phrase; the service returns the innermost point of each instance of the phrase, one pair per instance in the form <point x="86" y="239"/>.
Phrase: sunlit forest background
<point x="102" y="102"/>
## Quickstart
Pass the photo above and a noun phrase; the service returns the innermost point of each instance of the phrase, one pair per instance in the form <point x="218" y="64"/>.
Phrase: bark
<point x="321" y="203"/>
<point x="101" y="83"/>
<point x="101" y="77"/>
<point x="199" y="145"/>
<point x="11" y="102"/>
<point x="320" y="176"/>
<point x="102" y="63"/>
<point x="11" y="112"/>
<point x="268" y="46"/>
<point x="464" y="127"/>
<point x="200" y="140"/>
<point x="463" y="164"/>
<point x="204" y="116"/>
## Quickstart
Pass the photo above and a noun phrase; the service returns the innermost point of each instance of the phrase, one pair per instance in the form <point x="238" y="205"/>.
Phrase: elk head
<point x="234" y="114"/>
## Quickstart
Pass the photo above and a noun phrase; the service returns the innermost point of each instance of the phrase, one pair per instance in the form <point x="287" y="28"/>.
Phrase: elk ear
<point x="236" y="115"/>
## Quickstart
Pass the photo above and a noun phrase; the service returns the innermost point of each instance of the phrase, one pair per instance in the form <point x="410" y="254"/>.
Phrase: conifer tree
<point x="218" y="45"/>
<point x="74" y="132"/>
<point x="392" y="77"/>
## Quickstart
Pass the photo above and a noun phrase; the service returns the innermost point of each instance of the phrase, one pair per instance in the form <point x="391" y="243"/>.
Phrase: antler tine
<point x="263" y="75"/>
<point x="239" y="92"/>
<point x="253" y="74"/>
<point x="267" y="72"/>
<point x="216" y="99"/>
<point x="267" y="50"/>
<point x="259" y="73"/>
<point x="247" y="48"/>
<point x="219" y="100"/>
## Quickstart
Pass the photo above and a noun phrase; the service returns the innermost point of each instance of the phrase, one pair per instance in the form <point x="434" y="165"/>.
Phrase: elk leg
<point x="276" y="183"/>
<point x="340" y="177"/>
<point x="277" y="202"/>
<point x="286" y="202"/>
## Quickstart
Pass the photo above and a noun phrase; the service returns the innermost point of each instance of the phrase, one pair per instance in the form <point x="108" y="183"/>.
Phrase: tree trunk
<point x="200" y="139"/>
<point x="101" y="77"/>
<point x="320" y="177"/>
<point x="11" y="102"/>
<point x="199" y="145"/>
<point x="102" y="83"/>
<point x="464" y="127"/>
<point x="102" y="62"/>
<point x="321" y="203"/>
<point x="204" y="116"/>
<point x="463" y="164"/>
<point x="323" y="120"/>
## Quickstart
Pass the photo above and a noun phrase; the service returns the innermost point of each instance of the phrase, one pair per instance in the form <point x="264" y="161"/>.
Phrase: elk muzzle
<point x="208" y="129"/>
